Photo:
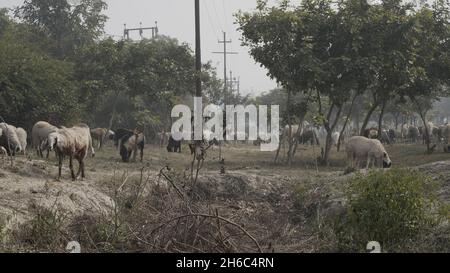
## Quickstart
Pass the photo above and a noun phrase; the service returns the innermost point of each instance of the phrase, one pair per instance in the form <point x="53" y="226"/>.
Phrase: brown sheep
<point x="72" y="142"/>
<point x="101" y="135"/>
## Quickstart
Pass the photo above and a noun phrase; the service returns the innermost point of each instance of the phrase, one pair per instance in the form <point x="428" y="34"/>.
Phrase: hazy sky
<point x="176" y="19"/>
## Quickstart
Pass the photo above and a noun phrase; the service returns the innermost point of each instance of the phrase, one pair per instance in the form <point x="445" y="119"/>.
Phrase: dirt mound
<point x="33" y="182"/>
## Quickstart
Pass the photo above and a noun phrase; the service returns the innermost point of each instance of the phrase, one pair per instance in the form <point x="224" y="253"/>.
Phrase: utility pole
<point x="126" y="31"/>
<point x="225" y="53"/>
<point x="198" y="55"/>
<point x="231" y="81"/>
<point x="234" y="83"/>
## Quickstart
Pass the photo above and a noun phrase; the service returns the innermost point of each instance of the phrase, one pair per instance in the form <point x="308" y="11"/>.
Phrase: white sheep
<point x="39" y="135"/>
<point x="372" y="150"/>
<point x="9" y="139"/>
<point x="22" y="135"/>
<point x="72" y="142"/>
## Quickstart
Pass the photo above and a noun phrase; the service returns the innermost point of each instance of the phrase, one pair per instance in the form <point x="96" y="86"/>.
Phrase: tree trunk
<point x="396" y="121"/>
<point x="367" y="118"/>
<point x="328" y="142"/>
<point x="346" y="122"/>
<point x="289" y="155"/>
<point x="380" y="120"/>
<point x="113" y="115"/>
<point x="297" y="134"/>
<point x="422" y="115"/>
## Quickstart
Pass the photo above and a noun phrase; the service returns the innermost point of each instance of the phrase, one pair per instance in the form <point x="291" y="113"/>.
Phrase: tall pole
<point x="225" y="63"/>
<point x="198" y="56"/>
<point x="231" y="81"/>
<point x="225" y="53"/>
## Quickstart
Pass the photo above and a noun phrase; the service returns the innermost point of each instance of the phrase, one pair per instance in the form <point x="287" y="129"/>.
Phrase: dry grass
<point x="256" y="205"/>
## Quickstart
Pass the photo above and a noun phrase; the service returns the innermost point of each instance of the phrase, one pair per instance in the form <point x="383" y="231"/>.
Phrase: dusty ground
<point x="252" y="186"/>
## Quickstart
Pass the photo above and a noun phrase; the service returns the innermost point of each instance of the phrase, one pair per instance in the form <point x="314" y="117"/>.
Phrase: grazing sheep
<point x="72" y="142"/>
<point x="39" y="135"/>
<point x="371" y="133"/>
<point x="129" y="141"/>
<point x="441" y="133"/>
<point x="9" y="139"/>
<point x="385" y="138"/>
<point x="392" y="135"/>
<point x="174" y="146"/>
<point x="119" y="134"/>
<point x="22" y="135"/>
<point x="446" y="137"/>
<point x="101" y="135"/>
<point x="163" y="138"/>
<point x="413" y="134"/>
<point x="437" y="133"/>
<point x="309" y="136"/>
<point x="372" y="150"/>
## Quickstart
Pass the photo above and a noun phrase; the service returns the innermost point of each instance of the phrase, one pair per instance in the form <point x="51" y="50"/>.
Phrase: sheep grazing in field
<point x="9" y="139"/>
<point x="73" y="142"/>
<point x="393" y="135"/>
<point x="372" y="150"/>
<point x="385" y="137"/>
<point x="371" y="133"/>
<point x="101" y="135"/>
<point x="446" y="137"/>
<point x="39" y="135"/>
<point x="163" y="138"/>
<point x="22" y="135"/>
<point x="119" y="134"/>
<point x="129" y="141"/>
<point x="413" y="134"/>
<point x="309" y="136"/>
<point x="174" y="146"/>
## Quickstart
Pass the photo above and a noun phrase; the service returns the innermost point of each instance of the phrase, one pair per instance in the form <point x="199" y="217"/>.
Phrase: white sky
<point x="176" y="19"/>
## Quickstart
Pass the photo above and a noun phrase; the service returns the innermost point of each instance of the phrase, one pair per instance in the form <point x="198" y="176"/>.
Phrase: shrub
<point x="392" y="207"/>
<point x="44" y="231"/>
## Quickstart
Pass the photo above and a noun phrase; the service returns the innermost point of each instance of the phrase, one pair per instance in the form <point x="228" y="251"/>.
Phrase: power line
<point x="225" y="12"/>
<point x="217" y="15"/>
<point x="212" y="25"/>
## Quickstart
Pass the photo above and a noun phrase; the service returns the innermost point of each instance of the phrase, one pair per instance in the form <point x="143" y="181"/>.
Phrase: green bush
<point x="392" y="207"/>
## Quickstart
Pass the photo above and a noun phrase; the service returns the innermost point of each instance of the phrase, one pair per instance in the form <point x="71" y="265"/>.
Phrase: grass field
<point x="287" y="209"/>
<point x="249" y="157"/>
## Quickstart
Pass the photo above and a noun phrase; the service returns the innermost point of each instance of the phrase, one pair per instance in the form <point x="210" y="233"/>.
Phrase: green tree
<point x="33" y="86"/>
<point x="62" y="28"/>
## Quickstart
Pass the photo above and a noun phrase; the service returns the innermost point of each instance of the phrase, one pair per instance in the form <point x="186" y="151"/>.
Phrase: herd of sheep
<point x="368" y="148"/>
<point x="74" y="143"/>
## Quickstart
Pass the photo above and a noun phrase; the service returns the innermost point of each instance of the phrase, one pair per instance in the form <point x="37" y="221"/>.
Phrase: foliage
<point x="389" y="207"/>
<point x="64" y="27"/>
<point x="34" y="86"/>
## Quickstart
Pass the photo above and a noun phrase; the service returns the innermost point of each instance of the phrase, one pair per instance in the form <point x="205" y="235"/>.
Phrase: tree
<point x="432" y="64"/>
<point x="62" y="28"/>
<point x="33" y="86"/>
